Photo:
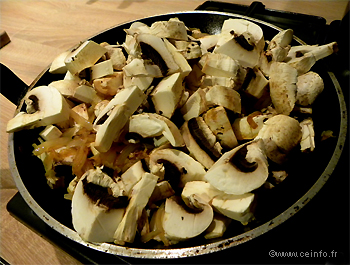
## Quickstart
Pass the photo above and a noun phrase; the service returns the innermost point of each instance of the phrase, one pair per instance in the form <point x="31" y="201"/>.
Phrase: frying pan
<point x="307" y="172"/>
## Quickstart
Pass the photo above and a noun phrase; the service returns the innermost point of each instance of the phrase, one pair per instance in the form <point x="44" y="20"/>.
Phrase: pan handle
<point x="255" y="7"/>
<point x="11" y="86"/>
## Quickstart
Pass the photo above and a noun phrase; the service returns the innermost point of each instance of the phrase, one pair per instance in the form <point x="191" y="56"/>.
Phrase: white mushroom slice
<point x="217" y="227"/>
<point x="86" y="94"/>
<point x="224" y="96"/>
<point x="219" y="124"/>
<point x="152" y="124"/>
<point x="241" y="40"/>
<point x="188" y="168"/>
<point x="277" y="50"/>
<point x="69" y="76"/>
<point x="223" y="66"/>
<point x="96" y="217"/>
<point x="241" y="170"/>
<point x="307" y="142"/>
<point x="201" y="188"/>
<point x="208" y="42"/>
<point x="117" y="113"/>
<point x="158" y="45"/>
<point x="142" y="82"/>
<point x="280" y="135"/>
<point x="139" y="67"/>
<point x="195" y="105"/>
<point x="109" y="85"/>
<point x="50" y="132"/>
<point x="189" y="49"/>
<point x="137" y="27"/>
<point x="309" y="86"/>
<point x="194" y="78"/>
<point x="140" y="195"/>
<point x="283" y="87"/>
<point x="81" y="110"/>
<point x="257" y="84"/>
<point x="167" y="95"/>
<point x="237" y="207"/>
<point x="248" y="127"/>
<point x="208" y="81"/>
<point x="101" y="69"/>
<point x="84" y="56"/>
<point x="180" y="60"/>
<point x="131" y="46"/>
<point x="45" y="106"/>
<point x="58" y="66"/>
<point x="161" y="191"/>
<point x="131" y="176"/>
<point x="194" y="148"/>
<point x="65" y="87"/>
<point x="180" y="224"/>
<point x="172" y="29"/>
<point x="116" y="55"/>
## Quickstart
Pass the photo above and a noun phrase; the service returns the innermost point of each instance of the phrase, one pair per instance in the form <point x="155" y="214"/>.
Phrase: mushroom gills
<point x="241" y="170"/>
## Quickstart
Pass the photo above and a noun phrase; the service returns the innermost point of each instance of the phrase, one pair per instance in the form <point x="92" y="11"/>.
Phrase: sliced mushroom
<point x="241" y="170"/>
<point x="221" y="65"/>
<point x="189" y="49"/>
<point x="172" y="29"/>
<point x="109" y="85"/>
<point x="195" y="105"/>
<point x="237" y="207"/>
<point x="50" y="132"/>
<point x="131" y="176"/>
<point x="277" y="50"/>
<point x="181" y="223"/>
<point x="98" y="207"/>
<point x="58" y="66"/>
<point x="309" y="86"/>
<point x="224" y="96"/>
<point x="179" y="59"/>
<point x="201" y="188"/>
<point x="161" y="191"/>
<point x="152" y="124"/>
<point x="280" y="134"/>
<point x="101" y="69"/>
<point x="209" y="81"/>
<point x="139" y="67"/>
<point x="257" y="83"/>
<point x="167" y="95"/>
<point x="139" y="197"/>
<point x="45" y="106"/>
<point x="219" y="124"/>
<point x="84" y="56"/>
<point x="242" y="40"/>
<point x="248" y="127"/>
<point x="115" y="115"/>
<point x="188" y="169"/>
<point x="217" y="227"/>
<point x="194" y="148"/>
<point x="154" y="48"/>
<point x="116" y="55"/>
<point x="307" y="142"/>
<point x="283" y="87"/>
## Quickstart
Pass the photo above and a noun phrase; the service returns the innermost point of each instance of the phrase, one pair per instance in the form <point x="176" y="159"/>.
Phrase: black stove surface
<point x="318" y="234"/>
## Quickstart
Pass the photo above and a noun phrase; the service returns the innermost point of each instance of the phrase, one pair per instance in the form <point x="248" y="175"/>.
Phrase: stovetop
<point x="319" y="232"/>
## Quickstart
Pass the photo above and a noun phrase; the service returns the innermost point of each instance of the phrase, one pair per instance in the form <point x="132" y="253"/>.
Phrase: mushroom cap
<point x="240" y="170"/>
<point x="52" y="108"/>
<point x="180" y="224"/>
<point x="280" y="134"/>
<point x="189" y="168"/>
